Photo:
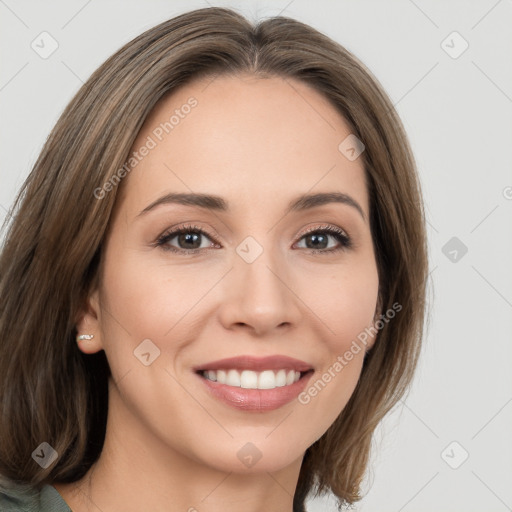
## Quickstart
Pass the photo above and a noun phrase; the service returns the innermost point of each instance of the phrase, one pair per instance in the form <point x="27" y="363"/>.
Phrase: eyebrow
<point x="217" y="203"/>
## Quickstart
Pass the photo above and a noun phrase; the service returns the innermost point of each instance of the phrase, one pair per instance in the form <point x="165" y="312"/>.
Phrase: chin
<point x="255" y="454"/>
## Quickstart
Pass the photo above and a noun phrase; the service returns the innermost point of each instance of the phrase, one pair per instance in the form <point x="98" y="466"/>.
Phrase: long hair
<point x="49" y="390"/>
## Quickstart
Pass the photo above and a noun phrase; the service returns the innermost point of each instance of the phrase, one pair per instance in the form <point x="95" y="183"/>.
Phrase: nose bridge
<point x="258" y="295"/>
<point x="258" y="276"/>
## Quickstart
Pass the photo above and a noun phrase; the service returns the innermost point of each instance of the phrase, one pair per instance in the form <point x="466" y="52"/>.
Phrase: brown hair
<point x="49" y="390"/>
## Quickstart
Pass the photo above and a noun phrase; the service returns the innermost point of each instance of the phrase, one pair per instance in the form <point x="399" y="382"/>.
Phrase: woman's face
<point x="281" y="283"/>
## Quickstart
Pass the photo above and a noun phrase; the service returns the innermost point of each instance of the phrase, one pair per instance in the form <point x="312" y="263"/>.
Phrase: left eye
<point x="318" y="240"/>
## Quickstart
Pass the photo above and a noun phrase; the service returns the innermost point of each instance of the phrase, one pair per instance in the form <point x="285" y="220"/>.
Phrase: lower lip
<point x="256" y="399"/>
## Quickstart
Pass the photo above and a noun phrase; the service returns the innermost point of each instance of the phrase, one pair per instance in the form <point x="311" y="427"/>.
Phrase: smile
<point x="254" y="383"/>
<point x="249" y="379"/>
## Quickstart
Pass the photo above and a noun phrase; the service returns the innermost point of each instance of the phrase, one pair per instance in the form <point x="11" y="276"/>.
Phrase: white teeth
<point x="281" y="378"/>
<point x="249" y="379"/>
<point x="233" y="378"/>
<point x="267" y="380"/>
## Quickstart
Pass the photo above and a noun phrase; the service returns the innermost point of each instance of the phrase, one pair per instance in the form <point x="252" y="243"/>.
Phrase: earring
<point x="84" y="337"/>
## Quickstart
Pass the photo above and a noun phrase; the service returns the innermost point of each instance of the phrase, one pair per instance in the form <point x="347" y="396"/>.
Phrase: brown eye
<point x="185" y="239"/>
<point x="328" y="239"/>
<point x="188" y="240"/>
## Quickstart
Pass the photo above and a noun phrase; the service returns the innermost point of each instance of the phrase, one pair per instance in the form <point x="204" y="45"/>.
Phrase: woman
<point x="213" y="288"/>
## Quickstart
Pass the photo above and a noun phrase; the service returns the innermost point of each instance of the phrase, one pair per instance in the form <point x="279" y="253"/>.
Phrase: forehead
<point x="254" y="139"/>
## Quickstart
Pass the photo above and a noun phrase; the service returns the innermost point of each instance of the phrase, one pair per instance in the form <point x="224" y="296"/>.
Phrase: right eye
<point x="188" y="238"/>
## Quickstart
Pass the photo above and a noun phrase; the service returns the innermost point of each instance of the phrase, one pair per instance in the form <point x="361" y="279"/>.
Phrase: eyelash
<point x="340" y="235"/>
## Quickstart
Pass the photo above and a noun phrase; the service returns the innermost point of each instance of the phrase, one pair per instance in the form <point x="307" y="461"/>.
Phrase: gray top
<point x="24" y="498"/>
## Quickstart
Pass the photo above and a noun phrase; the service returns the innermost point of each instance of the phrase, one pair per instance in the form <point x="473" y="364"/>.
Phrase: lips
<point x="255" y="383"/>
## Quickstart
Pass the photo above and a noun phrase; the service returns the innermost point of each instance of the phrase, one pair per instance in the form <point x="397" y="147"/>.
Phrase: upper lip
<point x="247" y="362"/>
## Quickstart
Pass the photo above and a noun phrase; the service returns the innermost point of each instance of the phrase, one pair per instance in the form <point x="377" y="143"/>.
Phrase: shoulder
<point x="16" y="497"/>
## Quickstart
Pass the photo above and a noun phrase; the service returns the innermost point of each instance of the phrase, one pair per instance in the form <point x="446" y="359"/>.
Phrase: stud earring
<point x="84" y="337"/>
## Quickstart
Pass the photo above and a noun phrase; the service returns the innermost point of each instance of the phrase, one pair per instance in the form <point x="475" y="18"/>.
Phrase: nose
<point x="259" y="296"/>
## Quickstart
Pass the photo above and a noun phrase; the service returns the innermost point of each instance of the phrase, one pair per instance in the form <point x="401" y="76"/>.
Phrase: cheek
<point x="352" y="312"/>
<point x="133" y="306"/>
<point x="346" y="302"/>
<point x="144" y="299"/>
<point x="347" y="306"/>
<point x="149" y="297"/>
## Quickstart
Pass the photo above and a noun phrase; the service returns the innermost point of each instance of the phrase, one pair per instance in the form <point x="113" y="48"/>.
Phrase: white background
<point x="457" y="112"/>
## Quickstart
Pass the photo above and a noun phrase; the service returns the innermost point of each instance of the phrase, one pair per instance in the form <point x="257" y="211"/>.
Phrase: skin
<point x="170" y="445"/>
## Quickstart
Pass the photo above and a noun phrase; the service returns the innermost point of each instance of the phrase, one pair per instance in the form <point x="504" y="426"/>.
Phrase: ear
<point x="88" y="322"/>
